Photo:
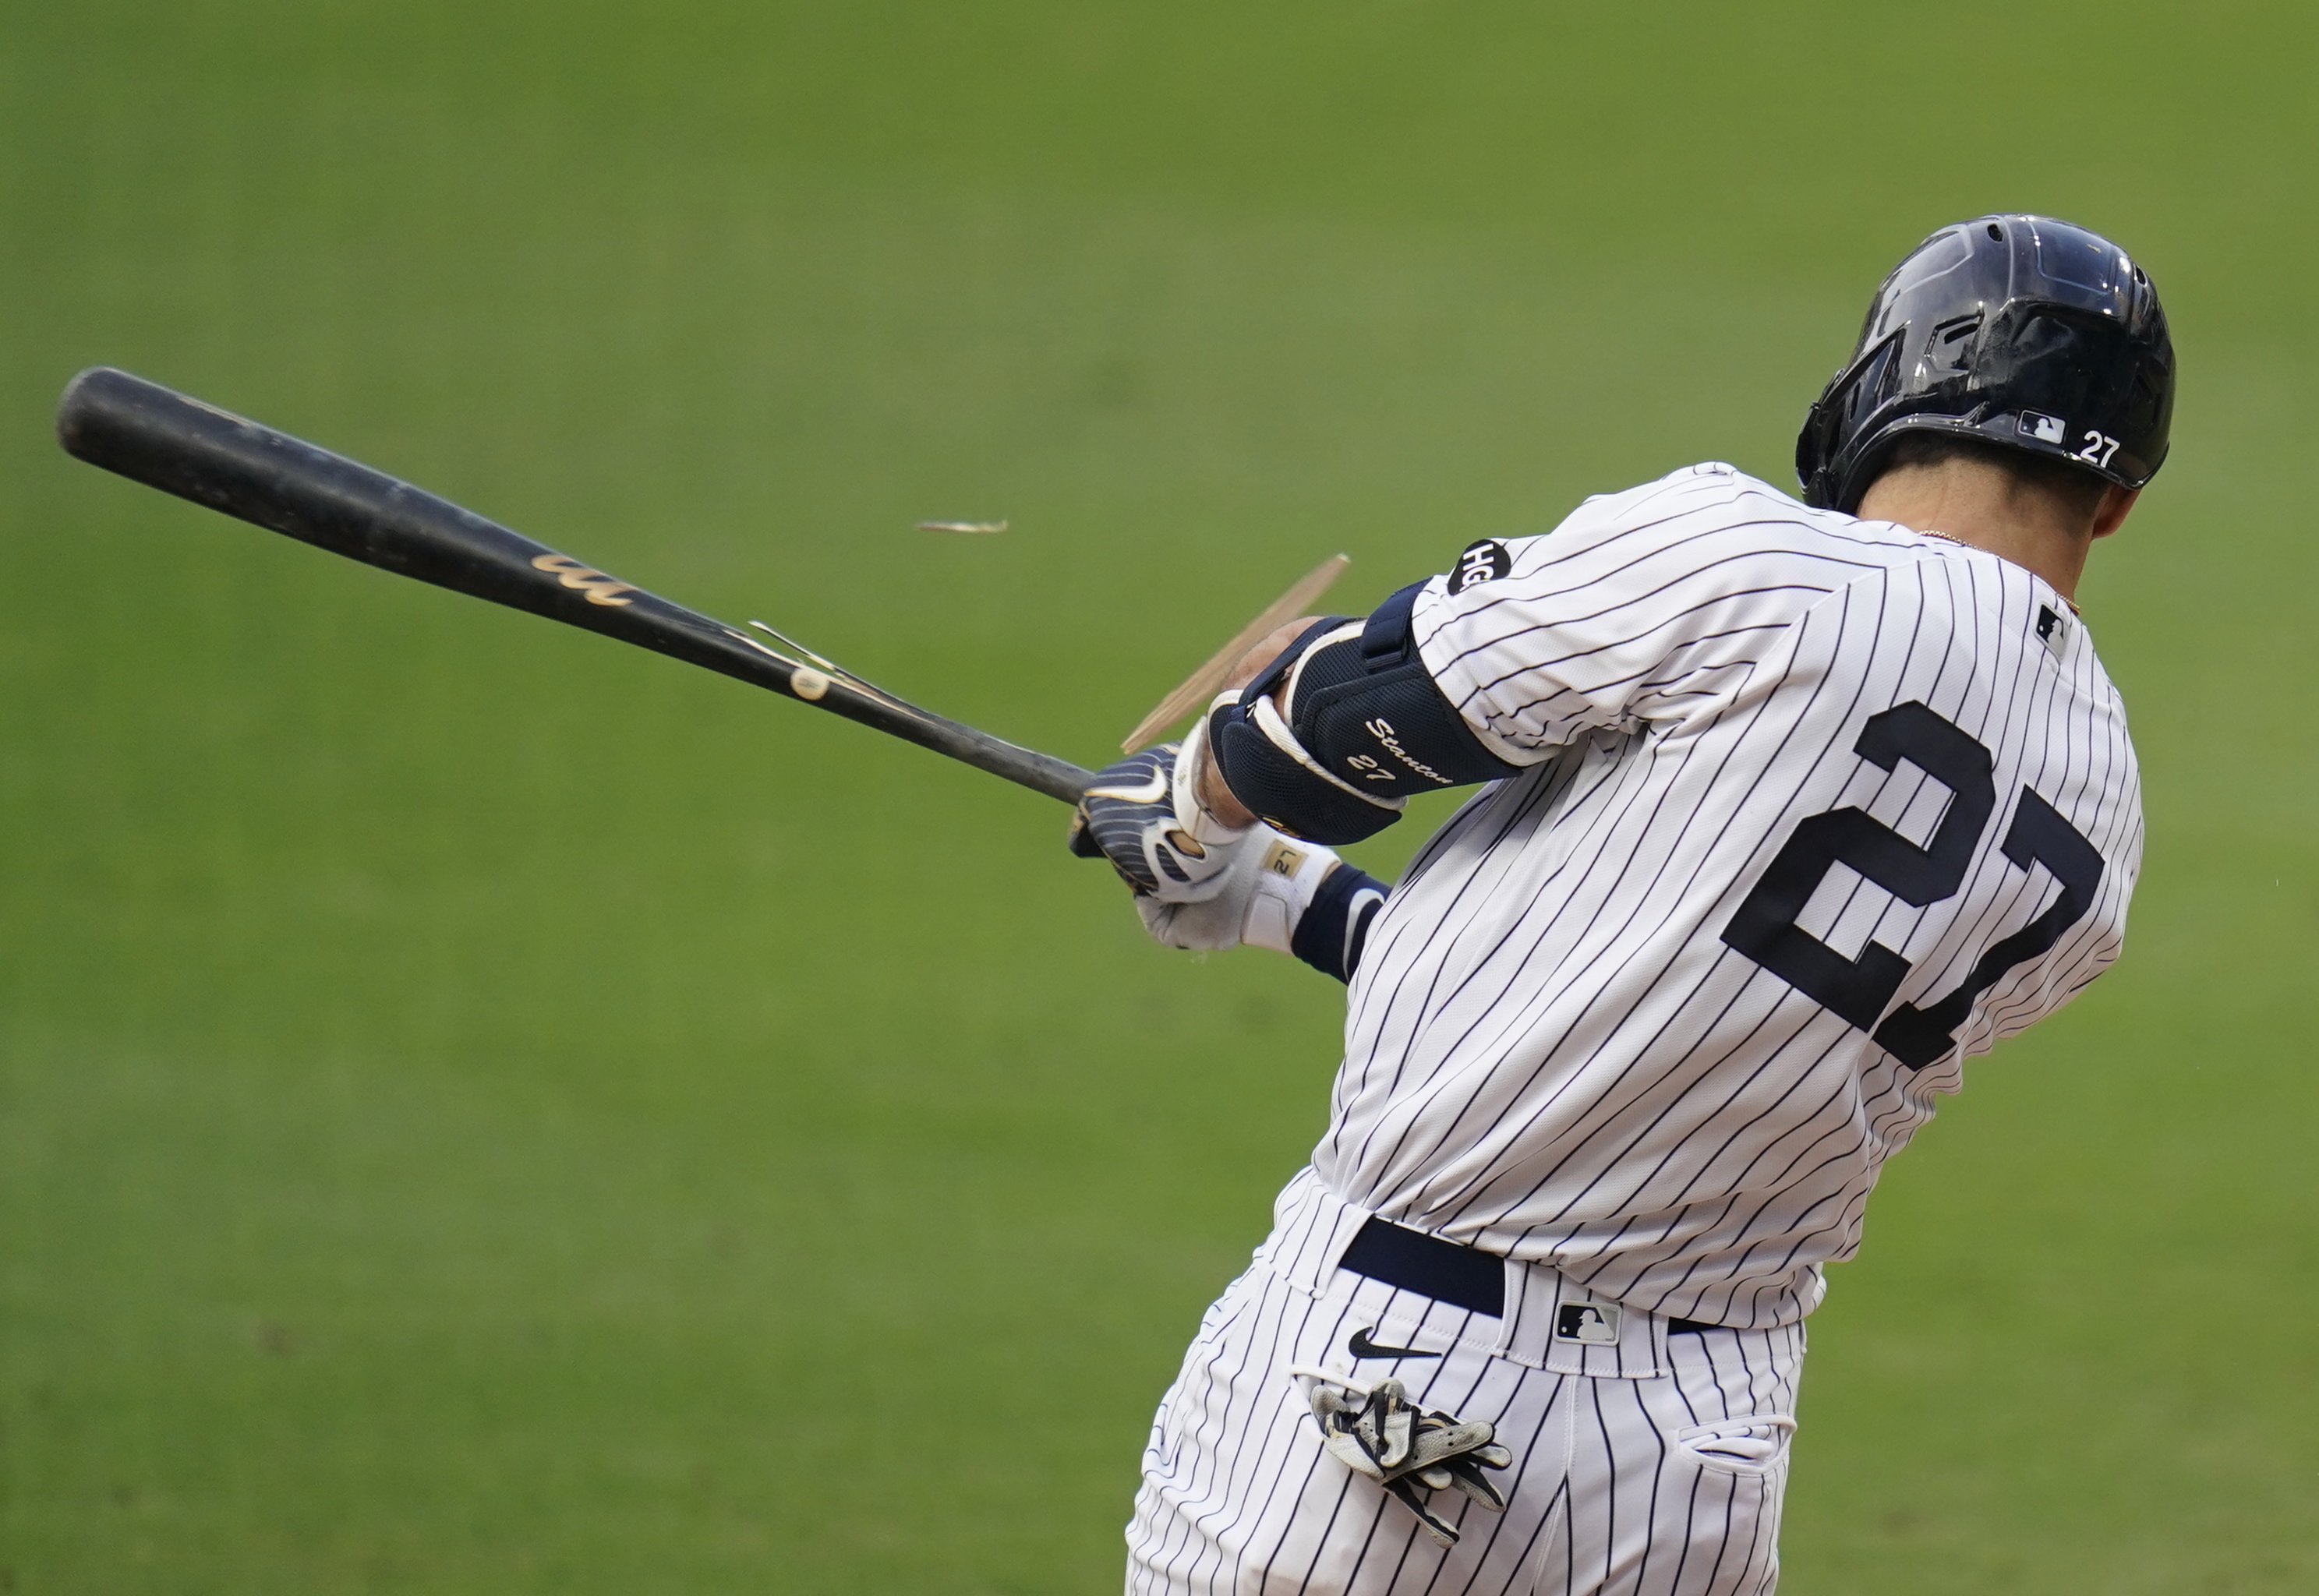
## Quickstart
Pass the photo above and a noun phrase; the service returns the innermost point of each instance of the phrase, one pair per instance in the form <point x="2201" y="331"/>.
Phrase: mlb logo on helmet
<point x="2044" y="428"/>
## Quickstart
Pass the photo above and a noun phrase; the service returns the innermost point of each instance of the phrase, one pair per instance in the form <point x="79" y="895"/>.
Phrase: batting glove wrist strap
<point x="1260" y="898"/>
<point x="1283" y="879"/>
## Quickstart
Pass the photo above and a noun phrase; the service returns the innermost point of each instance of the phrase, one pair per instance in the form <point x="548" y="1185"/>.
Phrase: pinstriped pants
<point x="1620" y="1483"/>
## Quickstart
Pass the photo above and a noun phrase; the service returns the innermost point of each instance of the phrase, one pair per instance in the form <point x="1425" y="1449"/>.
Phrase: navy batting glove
<point x="1129" y="817"/>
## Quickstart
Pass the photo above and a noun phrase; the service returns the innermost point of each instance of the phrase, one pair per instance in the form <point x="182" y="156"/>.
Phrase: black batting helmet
<point x="2018" y="331"/>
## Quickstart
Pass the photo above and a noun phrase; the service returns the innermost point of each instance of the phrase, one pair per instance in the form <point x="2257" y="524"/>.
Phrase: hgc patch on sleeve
<point x="1481" y="562"/>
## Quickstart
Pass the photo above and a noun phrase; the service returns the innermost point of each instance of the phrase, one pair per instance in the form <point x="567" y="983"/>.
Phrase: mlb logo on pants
<point x="1592" y="1324"/>
<point x="2044" y="428"/>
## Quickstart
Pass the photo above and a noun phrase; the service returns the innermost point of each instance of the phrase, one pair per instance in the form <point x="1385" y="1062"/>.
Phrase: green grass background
<point x="484" y="1110"/>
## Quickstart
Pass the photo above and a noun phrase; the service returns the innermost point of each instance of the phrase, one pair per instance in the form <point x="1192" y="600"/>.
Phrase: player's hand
<point x="1152" y="828"/>
<point x="1262" y="893"/>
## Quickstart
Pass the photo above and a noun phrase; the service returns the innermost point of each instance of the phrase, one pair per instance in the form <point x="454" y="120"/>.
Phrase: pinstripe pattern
<point x="1559" y="1049"/>
<point x="1616" y="1484"/>
<point x="1549" y="1051"/>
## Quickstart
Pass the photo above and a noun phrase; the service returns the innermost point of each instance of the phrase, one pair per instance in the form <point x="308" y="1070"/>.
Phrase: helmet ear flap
<point x="1823" y="451"/>
<point x="1811" y="453"/>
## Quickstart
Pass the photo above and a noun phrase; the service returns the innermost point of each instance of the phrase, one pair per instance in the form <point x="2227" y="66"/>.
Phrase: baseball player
<point x="1787" y="807"/>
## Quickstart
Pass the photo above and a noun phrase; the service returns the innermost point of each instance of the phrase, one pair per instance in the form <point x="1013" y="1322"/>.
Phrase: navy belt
<point x="1462" y="1276"/>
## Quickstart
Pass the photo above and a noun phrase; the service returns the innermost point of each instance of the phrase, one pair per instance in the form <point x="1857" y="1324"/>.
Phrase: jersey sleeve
<point x="1641" y="606"/>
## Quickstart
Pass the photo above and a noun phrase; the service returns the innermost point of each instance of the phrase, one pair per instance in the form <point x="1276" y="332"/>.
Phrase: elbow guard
<point x="1330" y="740"/>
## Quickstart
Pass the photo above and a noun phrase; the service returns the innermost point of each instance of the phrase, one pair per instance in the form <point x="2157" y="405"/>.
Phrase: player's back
<point x="1819" y="808"/>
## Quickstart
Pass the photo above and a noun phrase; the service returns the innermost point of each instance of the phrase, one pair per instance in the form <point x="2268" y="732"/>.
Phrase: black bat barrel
<point x="164" y="440"/>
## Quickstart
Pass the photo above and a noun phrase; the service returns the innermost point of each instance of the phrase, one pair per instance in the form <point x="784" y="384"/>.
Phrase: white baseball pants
<point x="1645" y="1463"/>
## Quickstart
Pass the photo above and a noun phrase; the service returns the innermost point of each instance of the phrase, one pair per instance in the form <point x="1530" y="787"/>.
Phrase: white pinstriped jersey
<point x="1815" y="808"/>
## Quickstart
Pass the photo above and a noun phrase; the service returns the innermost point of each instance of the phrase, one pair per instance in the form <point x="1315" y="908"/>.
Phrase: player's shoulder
<point x="1711" y="521"/>
<point x="1713" y="497"/>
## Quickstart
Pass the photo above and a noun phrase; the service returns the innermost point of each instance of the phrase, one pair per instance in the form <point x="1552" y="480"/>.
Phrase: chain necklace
<point x="1960" y="543"/>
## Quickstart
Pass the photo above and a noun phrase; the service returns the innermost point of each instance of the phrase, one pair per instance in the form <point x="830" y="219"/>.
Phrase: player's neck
<point x="1986" y="510"/>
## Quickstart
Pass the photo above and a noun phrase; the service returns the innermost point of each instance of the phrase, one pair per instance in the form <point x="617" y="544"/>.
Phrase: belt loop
<point x="1312" y="1228"/>
<point x="1532" y="1294"/>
